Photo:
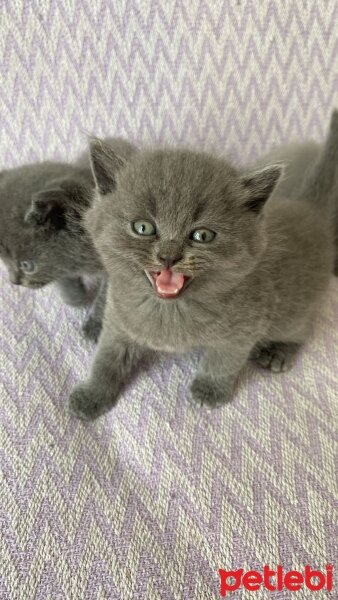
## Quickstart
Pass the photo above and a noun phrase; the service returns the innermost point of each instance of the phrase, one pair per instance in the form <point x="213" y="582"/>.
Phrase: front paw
<point x="87" y="404"/>
<point x="278" y="357"/>
<point x="206" y="391"/>
<point x="91" y="329"/>
<point x="75" y="293"/>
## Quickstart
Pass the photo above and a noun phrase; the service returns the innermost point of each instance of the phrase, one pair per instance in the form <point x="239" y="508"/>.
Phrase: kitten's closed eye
<point x="28" y="266"/>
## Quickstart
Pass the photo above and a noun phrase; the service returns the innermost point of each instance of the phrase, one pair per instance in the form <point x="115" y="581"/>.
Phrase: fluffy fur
<point x="253" y="290"/>
<point x="42" y="239"/>
<point x="299" y="161"/>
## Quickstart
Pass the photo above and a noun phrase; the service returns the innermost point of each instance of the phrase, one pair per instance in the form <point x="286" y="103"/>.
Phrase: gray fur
<point x="255" y="289"/>
<point x="93" y="324"/>
<point x="41" y="207"/>
<point x="299" y="161"/>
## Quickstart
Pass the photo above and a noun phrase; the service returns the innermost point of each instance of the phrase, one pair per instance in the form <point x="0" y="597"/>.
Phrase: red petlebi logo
<point x="291" y="580"/>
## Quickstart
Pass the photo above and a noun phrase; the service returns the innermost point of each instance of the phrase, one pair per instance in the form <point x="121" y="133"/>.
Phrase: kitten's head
<point x="175" y="223"/>
<point x="41" y="237"/>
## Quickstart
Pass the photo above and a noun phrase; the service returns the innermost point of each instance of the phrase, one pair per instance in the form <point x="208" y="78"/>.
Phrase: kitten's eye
<point x="203" y="236"/>
<point x="144" y="228"/>
<point x="27" y="266"/>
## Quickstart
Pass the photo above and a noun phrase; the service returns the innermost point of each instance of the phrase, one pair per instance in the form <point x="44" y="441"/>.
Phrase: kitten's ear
<point x="260" y="186"/>
<point x="60" y="204"/>
<point x="105" y="163"/>
<point x="47" y="209"/>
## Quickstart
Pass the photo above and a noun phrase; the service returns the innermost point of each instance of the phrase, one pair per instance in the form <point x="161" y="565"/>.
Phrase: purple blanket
<point x="151" y="500"/>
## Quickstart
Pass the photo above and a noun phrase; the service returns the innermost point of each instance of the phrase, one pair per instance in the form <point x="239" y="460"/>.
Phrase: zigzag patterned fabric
<point x="151" y="500"/>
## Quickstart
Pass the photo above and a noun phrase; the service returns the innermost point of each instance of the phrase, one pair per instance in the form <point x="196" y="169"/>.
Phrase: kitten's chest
<point x="171" y="326"/>
<point x="162" y="328"/>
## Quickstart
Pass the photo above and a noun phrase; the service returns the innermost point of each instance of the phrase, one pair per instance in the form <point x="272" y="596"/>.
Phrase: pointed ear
<point x="47" y="209"/>
<point x="60" y="204"/>
<point x="105" y="163"/>
<point x="260" y="186"/>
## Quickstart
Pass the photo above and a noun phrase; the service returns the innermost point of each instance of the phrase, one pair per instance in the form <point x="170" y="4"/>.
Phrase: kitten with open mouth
<point x="168" y="283"/>
<point x="198" y="257"/>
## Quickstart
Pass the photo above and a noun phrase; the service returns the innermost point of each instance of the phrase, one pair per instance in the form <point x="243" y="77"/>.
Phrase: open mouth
<point x="168" y="283"/>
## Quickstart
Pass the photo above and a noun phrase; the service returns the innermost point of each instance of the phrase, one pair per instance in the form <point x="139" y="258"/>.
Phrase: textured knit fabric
<point x="151" y="500"/>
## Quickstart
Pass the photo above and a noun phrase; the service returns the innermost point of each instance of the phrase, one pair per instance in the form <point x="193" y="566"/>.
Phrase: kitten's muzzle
<point x="15" y="275"/>
<point x="33" y="285"/>
<point x="15" y="279"/>
<point x="167" y="283"/>
<point x="168" y="261"/>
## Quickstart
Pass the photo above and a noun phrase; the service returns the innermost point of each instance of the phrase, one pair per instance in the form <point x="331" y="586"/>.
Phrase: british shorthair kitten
<point x="42" y="238"/>
<point x="299" y="159"/>
<point x="198" y="258"/>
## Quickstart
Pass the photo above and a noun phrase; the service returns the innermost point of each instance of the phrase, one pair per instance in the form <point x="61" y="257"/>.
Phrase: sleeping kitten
<point x="198" y="259"/>
<point x="42" y="239"/>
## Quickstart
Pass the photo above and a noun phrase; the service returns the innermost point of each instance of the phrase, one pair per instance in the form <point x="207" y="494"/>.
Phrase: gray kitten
<point x="42" y="239"/>
<point x="198" y="259"/>
<point x="299" y="160"/>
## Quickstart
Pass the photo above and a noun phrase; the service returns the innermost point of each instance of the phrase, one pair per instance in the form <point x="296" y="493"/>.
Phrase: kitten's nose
<point x="168" y="261"/>
<point x="15" y="278"/>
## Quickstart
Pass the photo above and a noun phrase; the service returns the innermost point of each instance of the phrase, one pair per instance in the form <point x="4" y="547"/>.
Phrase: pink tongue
<point x="168" y="282"/>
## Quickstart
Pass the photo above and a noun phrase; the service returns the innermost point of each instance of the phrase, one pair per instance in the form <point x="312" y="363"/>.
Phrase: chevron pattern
<point x="233" y="75"/>
<point x="150" y="501"/>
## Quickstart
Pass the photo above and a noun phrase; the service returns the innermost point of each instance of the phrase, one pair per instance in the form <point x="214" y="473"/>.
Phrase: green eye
<point x="203" y="236"/>
<point x="27" y="266"/>
<point x="144" y="228"/>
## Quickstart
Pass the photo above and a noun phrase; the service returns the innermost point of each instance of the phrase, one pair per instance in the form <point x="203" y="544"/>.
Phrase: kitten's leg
<point x="276" y="356"/>
<point x="114" y="361"/>
<point x="92" y="326"/>
<point x="73" y="291"/>
<point x="218" y="372"/>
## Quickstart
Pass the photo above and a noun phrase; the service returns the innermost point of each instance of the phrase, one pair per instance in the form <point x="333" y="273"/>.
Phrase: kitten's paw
<point x="86" y="404"/>
<point x="206" y="391"/>
<point x="74" y="292"/>
<point x="277" y="356"/>
<point x="91" y="329"/>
